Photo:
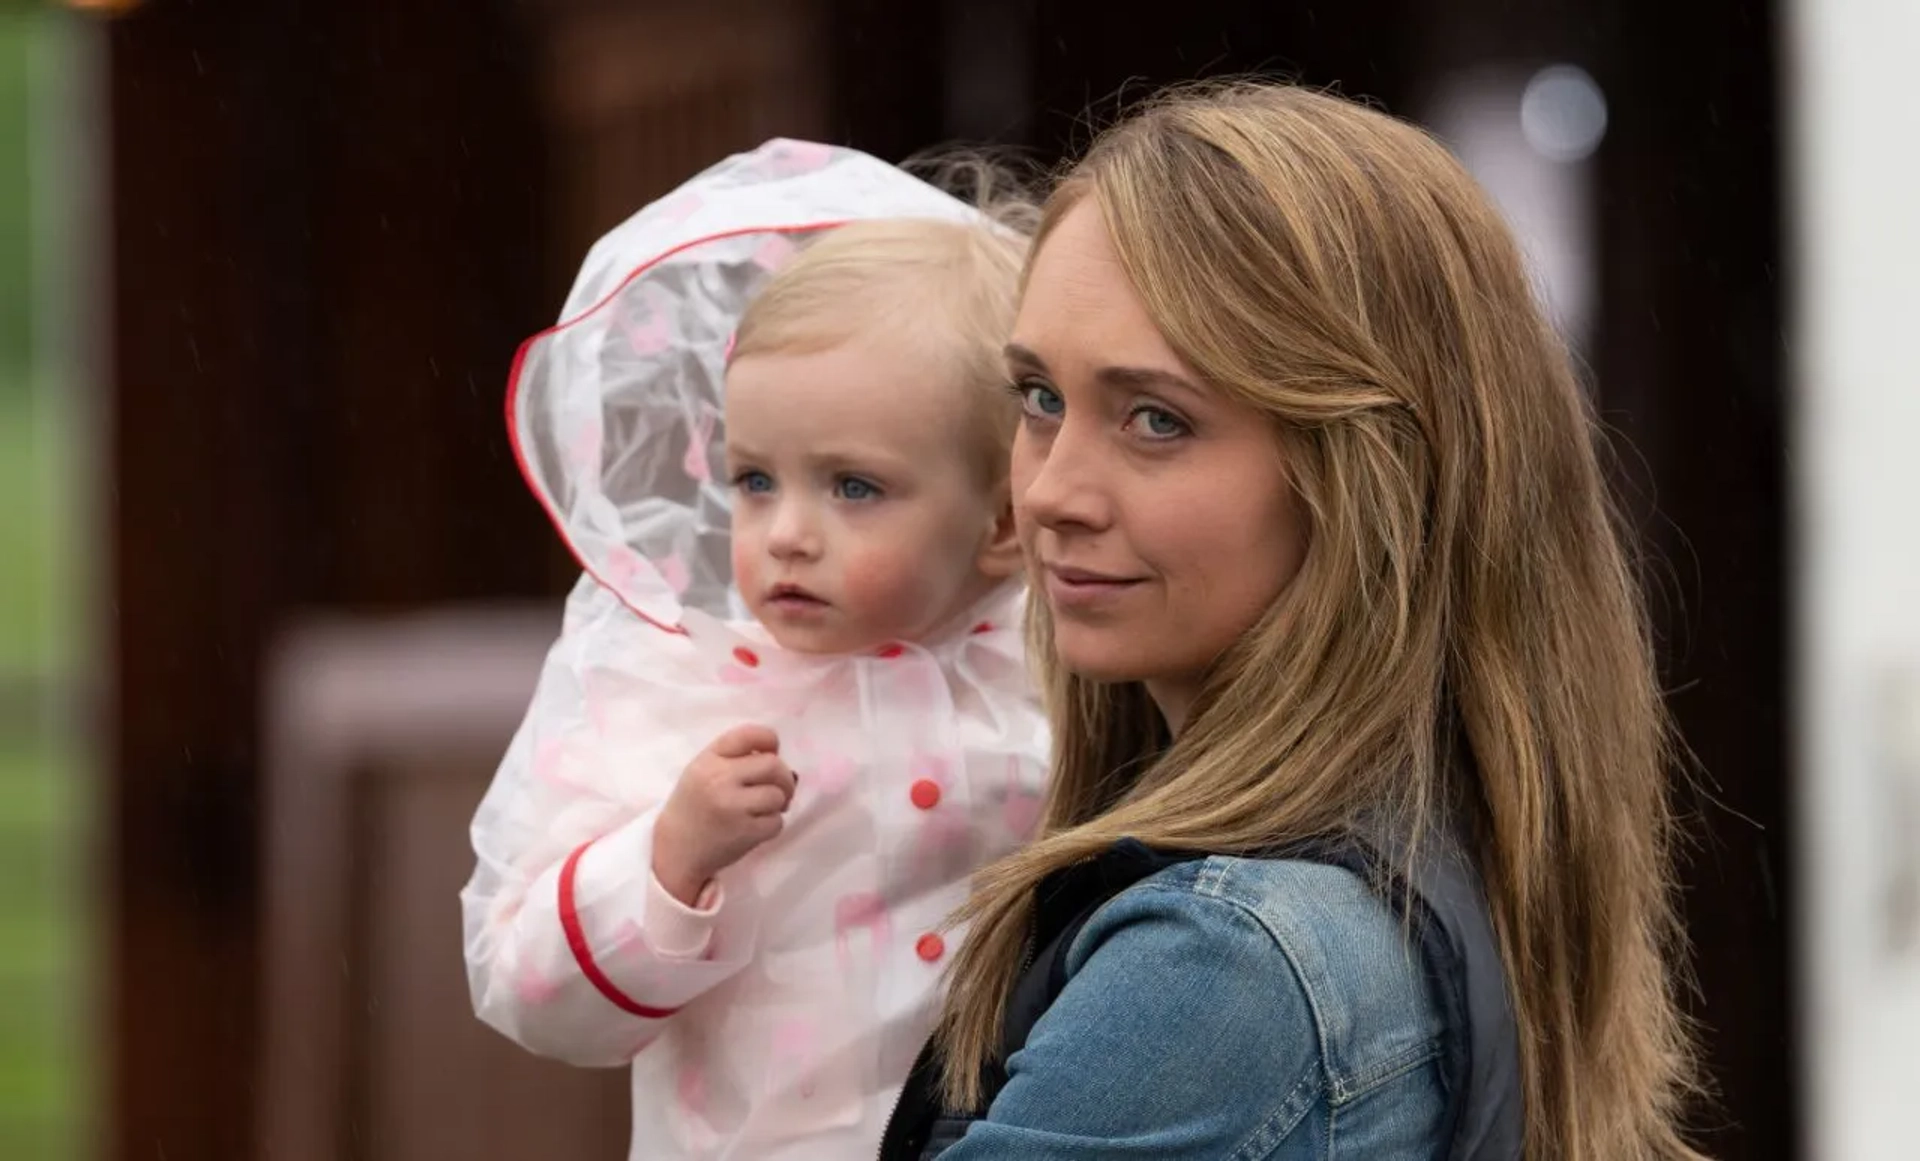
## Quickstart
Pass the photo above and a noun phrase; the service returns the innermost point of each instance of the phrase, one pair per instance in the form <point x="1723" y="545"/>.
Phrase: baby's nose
<point x="792" y="532"/>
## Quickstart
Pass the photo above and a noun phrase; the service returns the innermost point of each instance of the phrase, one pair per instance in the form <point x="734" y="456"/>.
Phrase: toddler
<point x="788" y="712"/>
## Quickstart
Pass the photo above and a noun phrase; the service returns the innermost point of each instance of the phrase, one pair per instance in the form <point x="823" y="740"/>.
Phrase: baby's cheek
<point x="746" y="562"/>
<point x="884" y="585"/>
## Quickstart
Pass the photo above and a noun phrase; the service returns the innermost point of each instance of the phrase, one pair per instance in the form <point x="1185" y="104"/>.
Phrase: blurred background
<point x="272" y="595"/>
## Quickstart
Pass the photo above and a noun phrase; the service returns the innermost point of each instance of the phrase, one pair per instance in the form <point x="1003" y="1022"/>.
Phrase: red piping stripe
<point x="577" y="941"/>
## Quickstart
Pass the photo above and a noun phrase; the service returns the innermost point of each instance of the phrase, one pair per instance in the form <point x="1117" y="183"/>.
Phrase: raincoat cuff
<point x="675" y="930"/>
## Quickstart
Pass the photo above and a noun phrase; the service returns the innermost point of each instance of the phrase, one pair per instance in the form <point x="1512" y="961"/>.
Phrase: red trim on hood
<point x="519" y="363"/>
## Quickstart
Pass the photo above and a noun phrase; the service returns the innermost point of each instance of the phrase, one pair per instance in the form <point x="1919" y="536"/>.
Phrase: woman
<point x="1358" y="841"/>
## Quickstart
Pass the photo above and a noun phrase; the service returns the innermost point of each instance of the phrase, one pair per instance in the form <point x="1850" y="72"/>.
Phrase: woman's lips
<point x="1079" y="588"/>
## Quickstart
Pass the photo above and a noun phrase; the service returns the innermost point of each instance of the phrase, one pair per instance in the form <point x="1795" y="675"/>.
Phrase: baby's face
<point x="860" y="513"/>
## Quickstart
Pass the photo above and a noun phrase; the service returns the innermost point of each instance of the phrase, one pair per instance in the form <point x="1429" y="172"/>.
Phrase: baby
<point x="722" y="849"/>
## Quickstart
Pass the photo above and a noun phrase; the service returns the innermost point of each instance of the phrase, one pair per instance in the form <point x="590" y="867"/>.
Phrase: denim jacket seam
<point x="1318" y="1082"/>
<point x="1309" y="986"/>
<point x="1341" y="1087"/>
<point x="1340" y="1093"/>
<point x="1209" y="882"/>
<point x="1273" y="1132"/>
<point x="1299" y="1101"/>
<point x="1210" y="878"/>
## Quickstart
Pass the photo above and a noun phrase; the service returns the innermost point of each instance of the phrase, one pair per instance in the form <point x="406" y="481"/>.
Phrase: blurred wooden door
<point x="640" y="97"/>
<point x="330" y="223"/>
<point x="383" y="734"/>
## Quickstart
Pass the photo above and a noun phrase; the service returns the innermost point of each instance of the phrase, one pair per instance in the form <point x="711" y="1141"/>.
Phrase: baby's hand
<point x="731" y="798"/>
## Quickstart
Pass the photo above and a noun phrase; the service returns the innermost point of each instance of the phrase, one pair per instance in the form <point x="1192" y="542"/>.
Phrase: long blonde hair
<point x="1465" y="591"/>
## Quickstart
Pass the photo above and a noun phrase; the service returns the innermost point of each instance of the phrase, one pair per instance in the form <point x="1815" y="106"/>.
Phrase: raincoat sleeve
<point x="573" y="949"/>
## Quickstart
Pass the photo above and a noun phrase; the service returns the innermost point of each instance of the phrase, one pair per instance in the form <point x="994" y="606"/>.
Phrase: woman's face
<point x="1155" y="514"/>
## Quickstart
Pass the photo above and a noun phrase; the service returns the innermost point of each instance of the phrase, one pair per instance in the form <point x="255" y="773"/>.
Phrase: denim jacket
<point x="1252" y="1010"/>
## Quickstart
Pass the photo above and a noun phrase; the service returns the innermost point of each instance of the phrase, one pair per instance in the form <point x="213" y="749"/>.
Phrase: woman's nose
<point x="1065" y="481"/>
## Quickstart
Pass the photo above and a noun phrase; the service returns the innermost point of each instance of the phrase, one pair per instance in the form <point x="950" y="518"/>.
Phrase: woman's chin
<point x="1098" y="657"/>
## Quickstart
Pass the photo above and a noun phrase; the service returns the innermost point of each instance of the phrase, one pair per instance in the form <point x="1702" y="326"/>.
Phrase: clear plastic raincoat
<point x="778" y="1017"/>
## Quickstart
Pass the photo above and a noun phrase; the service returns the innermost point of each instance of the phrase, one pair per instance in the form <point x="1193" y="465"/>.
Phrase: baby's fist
<point x="730" y="799"/>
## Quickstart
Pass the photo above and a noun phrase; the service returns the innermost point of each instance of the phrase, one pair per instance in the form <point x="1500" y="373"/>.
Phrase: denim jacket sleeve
<point x="1229" y="1009"/>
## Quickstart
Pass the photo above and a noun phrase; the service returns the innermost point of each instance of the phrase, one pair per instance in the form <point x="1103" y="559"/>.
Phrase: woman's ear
<point x="1000" y="552"/>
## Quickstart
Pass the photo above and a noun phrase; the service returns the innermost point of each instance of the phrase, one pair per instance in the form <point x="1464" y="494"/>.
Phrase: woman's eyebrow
<point x="1145" y="379"/>
<point x="1016" y="353"/>
<point x="1122" y="378"/>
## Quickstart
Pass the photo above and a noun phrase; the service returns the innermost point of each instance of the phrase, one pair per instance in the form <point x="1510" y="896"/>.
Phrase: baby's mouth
<point x="793" y="597"/>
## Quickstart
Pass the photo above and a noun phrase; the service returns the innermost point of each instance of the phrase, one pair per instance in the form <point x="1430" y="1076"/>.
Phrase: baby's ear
<point x="1000" y="551"/>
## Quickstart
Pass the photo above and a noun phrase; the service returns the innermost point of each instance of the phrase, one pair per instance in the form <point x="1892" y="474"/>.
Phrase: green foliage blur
<point x="18" y="23"/>
<point x="45" y="1034"/>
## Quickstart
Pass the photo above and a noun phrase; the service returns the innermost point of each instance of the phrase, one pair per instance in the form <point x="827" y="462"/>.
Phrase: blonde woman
<point x="1358" y="840"/>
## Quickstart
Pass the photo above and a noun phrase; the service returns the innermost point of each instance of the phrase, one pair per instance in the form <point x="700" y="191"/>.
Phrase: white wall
<point x="1853" y="98"/>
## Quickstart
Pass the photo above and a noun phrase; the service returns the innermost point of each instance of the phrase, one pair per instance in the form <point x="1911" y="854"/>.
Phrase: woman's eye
<point x="1040" y="401"/>
<point x="753" y="482"/>
<point x="1157" y="423"/>
<point x="855" y="488"/>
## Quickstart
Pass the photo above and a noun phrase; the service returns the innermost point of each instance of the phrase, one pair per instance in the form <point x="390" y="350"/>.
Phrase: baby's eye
<point x="753" y="481"/>
<point x="1039" y="400"/>
<point x="855" y="488"/>
<point x="1157" y="423"/>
